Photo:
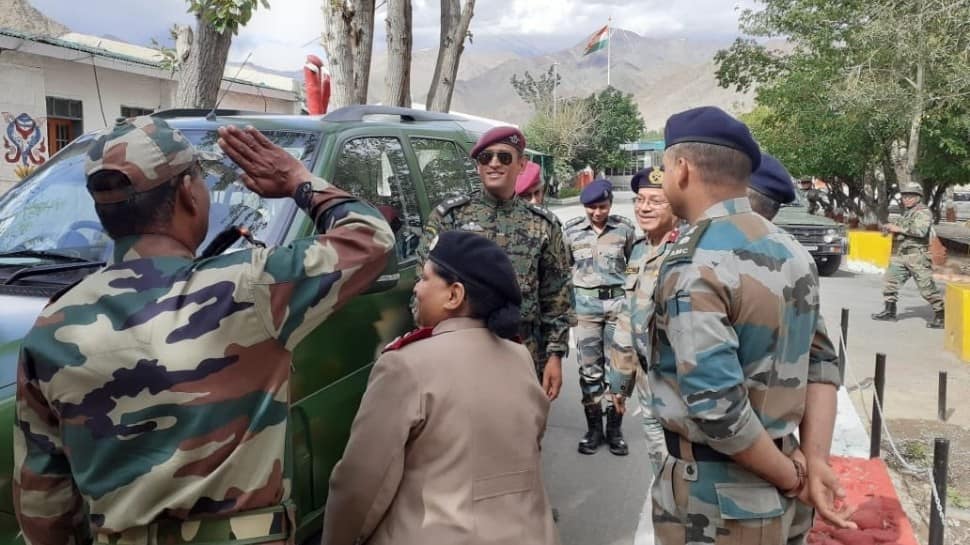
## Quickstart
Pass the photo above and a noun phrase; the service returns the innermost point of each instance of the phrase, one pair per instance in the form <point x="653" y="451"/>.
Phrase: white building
<point x="52" y="90"/>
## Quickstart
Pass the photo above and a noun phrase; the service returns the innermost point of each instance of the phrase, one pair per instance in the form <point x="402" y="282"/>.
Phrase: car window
<point x="445" y="170"/>
<point x="376" y="170"/>
<point x="52" y="211"/>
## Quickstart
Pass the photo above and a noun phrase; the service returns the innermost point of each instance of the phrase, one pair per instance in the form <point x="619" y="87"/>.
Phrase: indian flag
<point x="598" y="40"/>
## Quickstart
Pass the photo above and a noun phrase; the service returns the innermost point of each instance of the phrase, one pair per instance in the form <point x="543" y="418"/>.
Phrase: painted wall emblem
<point x="24" y="141"/>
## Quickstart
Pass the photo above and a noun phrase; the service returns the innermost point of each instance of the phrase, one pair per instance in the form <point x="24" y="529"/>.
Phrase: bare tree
<point x="202" y="54"/>
<point x="397" y="79"/>
<point x="455" y="21"/>
<point x="348" y="38"/>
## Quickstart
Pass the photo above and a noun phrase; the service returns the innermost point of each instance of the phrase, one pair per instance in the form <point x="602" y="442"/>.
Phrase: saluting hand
<point x="270" y="171"/>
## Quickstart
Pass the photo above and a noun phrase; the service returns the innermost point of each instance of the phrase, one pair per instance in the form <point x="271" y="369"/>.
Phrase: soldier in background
<point x="911" y="257"/>
<point x="129" y="379"/>
<point x="812" y="195"/>
<point x="529" y="186"/>
<point x="530" y="235"/>
<point x="659" y="225"/>
<point x="599" y="245"/>
<point x="736" y="304"/>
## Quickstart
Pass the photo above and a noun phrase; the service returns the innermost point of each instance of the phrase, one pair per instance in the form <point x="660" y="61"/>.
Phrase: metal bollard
<point x="941" y="397"/>
<point x="845" y="342"/>
<point x="877" y="401"/>
<point x="941" y="459"/>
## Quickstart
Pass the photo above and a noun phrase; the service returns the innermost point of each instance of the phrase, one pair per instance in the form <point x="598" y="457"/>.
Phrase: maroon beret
<point x="500" y="135"/>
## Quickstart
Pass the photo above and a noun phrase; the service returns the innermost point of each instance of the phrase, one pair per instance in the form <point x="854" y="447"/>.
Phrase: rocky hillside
<point x="23" y="17"/>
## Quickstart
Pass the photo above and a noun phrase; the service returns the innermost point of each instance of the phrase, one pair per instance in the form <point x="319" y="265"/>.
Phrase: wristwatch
<point x="304" y="196"/>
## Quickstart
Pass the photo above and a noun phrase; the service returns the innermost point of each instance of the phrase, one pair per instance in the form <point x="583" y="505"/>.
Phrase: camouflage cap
<point x="146" y="149"/>
<point x="914" y="189"/>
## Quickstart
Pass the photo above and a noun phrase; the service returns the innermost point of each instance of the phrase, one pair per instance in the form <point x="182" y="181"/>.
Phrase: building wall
<point x="27" y="80"/>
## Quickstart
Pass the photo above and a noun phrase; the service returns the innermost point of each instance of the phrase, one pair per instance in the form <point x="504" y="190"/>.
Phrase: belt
<point x="699" y="452"/>
<point x="602" y="292"/>
<point x="269" y="525"/>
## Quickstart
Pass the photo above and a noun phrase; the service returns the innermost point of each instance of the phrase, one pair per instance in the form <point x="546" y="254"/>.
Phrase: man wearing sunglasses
<point x="530" y="235"/>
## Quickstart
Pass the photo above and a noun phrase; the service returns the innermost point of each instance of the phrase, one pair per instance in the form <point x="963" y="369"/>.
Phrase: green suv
<point x="403" y="161"/>
<point x="825" y="239"/>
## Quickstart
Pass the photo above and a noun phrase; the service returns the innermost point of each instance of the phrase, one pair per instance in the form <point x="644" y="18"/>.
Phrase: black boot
<point x="614" y="433"/>
<point x="937" y="322"/>
<point x="594" y="437"/>
<point x="888" y="314"/>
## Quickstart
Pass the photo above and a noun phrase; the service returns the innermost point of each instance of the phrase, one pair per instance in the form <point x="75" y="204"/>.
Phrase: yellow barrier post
<point x="870" y="247"/>
<point x="956" y="337"/>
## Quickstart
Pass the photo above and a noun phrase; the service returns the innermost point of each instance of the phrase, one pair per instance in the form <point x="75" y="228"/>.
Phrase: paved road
<point x="600" y="497"/>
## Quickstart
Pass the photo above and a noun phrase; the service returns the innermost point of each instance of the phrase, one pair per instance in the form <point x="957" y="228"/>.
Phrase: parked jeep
<point x="825" y="239"/>
<point x="402" y="161"/>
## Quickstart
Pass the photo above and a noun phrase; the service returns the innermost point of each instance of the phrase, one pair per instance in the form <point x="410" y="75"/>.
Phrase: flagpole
<point x="609" y="47"/>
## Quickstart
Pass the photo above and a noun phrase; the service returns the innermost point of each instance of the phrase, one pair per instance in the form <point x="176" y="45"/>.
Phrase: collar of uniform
<point x="496" y="202"/>
<point x="456" y="324"/>
<point x="730" y="207"/>
<point x="129" y="249"/>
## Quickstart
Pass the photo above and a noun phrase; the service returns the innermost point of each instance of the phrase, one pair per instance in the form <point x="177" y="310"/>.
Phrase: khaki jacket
<point x="445" y="447"/>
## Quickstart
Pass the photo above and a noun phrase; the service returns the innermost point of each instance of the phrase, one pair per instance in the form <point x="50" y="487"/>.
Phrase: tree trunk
<point x="201" y="75"/>
<point x="397" y="79"/>
<point x="916" y="125"/>
<point x="347" y="39"/>
<point x="454" y="29"/>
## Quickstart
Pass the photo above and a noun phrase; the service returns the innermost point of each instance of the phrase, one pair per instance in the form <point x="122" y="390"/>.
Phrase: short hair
<point x="140" y="212"/>
<point x="716" y="164"/>
<point x="763" y="205"/>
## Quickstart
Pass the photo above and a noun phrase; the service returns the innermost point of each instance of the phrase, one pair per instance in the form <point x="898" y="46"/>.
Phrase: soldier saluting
<point x="532" y="238"/>
<point x="152" y="397"/>
<point x="911" y="257"/>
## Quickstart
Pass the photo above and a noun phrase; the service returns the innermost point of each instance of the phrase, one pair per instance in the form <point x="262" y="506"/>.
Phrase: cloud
<point x="282" y="36"/>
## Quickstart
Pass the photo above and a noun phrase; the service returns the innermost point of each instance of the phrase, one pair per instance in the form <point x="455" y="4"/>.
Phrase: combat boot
<point x="614" y="432"/>
<point x="888" y="314"/>
<point x="594" y="437"/>
<point x="937" y="321"/>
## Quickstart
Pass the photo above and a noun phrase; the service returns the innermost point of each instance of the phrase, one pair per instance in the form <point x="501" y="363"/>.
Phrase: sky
<point x="280" y="38"/>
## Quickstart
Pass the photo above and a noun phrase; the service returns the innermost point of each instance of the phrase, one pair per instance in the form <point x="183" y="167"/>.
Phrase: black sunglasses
<point x="504" y="157"/>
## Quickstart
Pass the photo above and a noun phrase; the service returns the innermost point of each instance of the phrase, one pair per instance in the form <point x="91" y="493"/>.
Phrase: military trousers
<point x="916" y="264"/>
<point x="721" y="503"/>
<point x="596" y="323"/>
<point x="653" y="431"/>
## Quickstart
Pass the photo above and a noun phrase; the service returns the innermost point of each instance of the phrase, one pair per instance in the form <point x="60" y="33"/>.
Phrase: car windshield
<point x="51" y="213"/>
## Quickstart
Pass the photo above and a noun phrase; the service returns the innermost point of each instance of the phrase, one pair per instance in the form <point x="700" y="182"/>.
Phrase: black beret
<point x="500" y="135"/>
<point x="596" y="191"/>
<point x="773" y="181"/>
<point x="652" y="177"/>
<point x="711" y="125"/>
<point x="477" y="260"/>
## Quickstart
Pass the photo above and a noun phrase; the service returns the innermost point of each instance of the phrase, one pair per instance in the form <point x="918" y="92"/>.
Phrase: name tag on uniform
<point x="632" y="270"/>
<point x="473" y="227"/>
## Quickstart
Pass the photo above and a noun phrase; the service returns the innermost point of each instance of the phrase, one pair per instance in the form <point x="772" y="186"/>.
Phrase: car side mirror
<point x="389" y="277"/>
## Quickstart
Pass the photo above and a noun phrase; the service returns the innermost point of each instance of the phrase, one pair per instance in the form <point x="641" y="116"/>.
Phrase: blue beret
<point x="711" y="125"/>
<point x="500" y="135"/>
<point x="596" y="191"/>
<point x="649" y="177"/>
<point x="773" y="181"/>
<point x="463" y="253"/>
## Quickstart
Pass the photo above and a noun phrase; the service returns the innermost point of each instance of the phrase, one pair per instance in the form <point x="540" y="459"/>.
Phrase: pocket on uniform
<point x="746" y="501"/>
<point x="502" y="484"/>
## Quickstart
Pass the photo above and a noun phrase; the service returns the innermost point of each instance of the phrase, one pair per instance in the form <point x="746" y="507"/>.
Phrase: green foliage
<point x="568" y="192"/>
<point x="537" y="92"/>
<point x="560" y="133"/>
<point x="225" y="15"/>
<point x="618" y="121"/>
<point x="168" y="62"/>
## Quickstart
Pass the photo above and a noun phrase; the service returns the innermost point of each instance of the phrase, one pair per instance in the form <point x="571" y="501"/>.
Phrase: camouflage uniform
<point x="735" y="321"/>
<point x="153" y="396"/>
<point x="532" y="237"/>
<point x="599" y="262"/>
<point x="911" y="257"/>
<point x="632" y="335"/>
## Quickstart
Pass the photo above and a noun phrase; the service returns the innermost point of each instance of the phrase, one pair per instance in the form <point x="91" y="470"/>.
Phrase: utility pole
<point x="609" y="47"/>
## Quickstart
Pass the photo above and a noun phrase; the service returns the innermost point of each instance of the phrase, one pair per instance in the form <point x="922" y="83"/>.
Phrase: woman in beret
<point x="445" y="447"/>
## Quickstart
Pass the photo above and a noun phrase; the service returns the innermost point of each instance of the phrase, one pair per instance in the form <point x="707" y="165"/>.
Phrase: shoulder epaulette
<point x="409" y="338"/>
<point x="686" y="245"/>
<point x="448" y="205"/>
<point x="574" y="221"/>
<point x="622" y="219"/>
<point x="543" y="212"/>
